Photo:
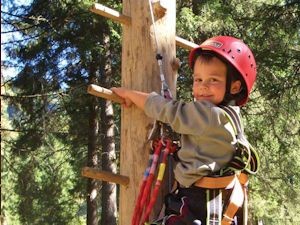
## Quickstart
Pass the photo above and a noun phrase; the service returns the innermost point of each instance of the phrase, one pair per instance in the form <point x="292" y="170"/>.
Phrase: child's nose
<point x="204" y="84"/>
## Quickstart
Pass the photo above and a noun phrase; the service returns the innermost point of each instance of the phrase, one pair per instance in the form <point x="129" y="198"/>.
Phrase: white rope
<point x="153" y="23"/>
<point x="165" y="91"/>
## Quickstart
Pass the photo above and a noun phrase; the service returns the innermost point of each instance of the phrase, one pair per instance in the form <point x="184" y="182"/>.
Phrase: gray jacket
<point x="207" y="137"/>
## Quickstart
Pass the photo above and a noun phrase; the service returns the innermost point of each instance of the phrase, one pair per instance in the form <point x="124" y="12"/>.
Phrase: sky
<point x="8" y="72"/>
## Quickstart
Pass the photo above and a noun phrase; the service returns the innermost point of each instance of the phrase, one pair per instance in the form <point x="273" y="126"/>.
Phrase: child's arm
<point x="130" y="96"/>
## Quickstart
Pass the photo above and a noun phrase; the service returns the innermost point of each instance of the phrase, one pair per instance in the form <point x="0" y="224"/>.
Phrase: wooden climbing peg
<point x="105" y="176"/>
<point x="104" y="93"/>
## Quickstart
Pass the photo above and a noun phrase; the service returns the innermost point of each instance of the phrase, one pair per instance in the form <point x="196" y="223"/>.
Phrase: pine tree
<point x="59" y="52"/>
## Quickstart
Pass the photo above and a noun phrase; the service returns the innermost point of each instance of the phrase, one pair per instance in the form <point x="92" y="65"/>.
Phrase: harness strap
<point x="245" y="207"/>
<point x="221" y="182"/>
<point x="235" y="202"/>
<point x="235" y="117"/>
<point x="238" y="184"/>
<point x="246" y="157"/>
<point x="214" y="206"/>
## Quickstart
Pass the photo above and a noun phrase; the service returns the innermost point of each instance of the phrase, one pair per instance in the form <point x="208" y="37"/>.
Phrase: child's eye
<point x="213" y="80"/>
<point x="197" y="80"/>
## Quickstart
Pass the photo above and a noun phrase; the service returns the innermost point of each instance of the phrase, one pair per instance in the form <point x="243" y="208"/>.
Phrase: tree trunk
<point x="92" y="160"/>
<point x="92" y="188"/>
<point x="109" y="190"/>
<point x="140" y="71"/>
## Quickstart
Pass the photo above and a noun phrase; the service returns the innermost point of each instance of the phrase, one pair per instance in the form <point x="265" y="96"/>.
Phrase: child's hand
<point x="123" y="93"/>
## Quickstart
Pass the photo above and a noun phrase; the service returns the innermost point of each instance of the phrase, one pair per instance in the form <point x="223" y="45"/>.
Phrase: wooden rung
<point x="185" y="43"/>
<point x="118" y="17"/>
<point x="102" y="92"/>
<point x="110" y="13"/>
<point x="104" y="176"/>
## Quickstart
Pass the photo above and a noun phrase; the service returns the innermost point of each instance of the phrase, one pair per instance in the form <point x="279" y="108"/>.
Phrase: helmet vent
<point x="229" y="51"/>
<point x="232" y="57"/>
<point x="238" y="50"/>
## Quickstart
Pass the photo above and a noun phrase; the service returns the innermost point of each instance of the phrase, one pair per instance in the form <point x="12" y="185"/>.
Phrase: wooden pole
<point x="140" y="71"/>
<point x="126" y="20"/>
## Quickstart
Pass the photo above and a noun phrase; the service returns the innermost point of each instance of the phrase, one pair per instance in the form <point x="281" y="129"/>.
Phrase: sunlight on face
<point x="209" y="80"/>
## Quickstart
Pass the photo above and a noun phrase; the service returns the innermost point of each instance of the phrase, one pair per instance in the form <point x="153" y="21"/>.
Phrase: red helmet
<point x="235" y="52"/>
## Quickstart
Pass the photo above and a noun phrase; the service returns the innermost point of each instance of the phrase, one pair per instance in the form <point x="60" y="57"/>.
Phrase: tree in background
<point x="61" y="49"/>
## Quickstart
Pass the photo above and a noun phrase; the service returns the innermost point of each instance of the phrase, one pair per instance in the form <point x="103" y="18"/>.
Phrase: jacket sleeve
<point x="185" y="118"/>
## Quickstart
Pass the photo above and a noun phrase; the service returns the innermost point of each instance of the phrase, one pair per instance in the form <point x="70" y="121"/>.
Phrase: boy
<point x="224" y="71"/>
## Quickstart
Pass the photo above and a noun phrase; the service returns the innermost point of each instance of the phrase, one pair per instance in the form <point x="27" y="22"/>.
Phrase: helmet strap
<point x="228" y="97"/>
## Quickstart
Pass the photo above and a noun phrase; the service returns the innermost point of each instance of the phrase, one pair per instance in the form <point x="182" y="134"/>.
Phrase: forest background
<point x="51" y="128"/>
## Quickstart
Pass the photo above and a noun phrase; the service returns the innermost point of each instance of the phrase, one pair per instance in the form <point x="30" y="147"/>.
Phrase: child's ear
<point x="235" y="87"/>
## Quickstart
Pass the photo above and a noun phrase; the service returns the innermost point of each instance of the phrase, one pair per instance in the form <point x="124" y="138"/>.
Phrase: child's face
<point x="209" y="80"/>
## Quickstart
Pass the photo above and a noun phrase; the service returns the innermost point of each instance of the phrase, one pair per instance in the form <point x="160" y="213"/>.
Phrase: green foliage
<point x="59" y="51"/>
<point x="45" y="186"/>
<point x="9" y="198"/>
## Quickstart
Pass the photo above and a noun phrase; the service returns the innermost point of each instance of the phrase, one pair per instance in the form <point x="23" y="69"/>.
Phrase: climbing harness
<point x="245" y="161"/>
<point x="214" y="186"/>
<point x="226" y="191"/>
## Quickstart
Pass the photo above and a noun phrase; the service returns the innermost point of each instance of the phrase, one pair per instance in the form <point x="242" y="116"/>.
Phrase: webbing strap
<point x="235" y="118"/>
<point x="226" y="182"/>
<point x="238" y="184"/>
<point x="235" y="202"/>
<point x="214" y="206"/>
<point x="246" y="157"/>
<point x="245" y="207"/>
